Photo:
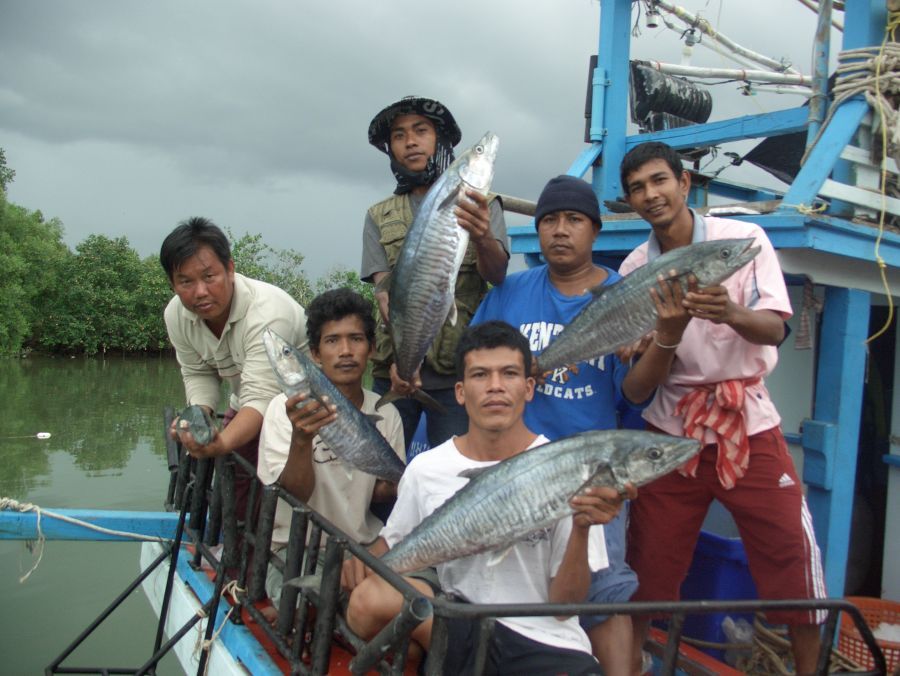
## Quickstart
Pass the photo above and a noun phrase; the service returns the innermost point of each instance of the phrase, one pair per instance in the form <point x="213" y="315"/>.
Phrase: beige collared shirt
<point x="238" y="356"/>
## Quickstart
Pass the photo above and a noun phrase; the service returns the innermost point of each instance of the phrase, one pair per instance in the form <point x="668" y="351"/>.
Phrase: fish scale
<point x="508" y="501"/>
<point x="352" y="436"/>
<point x="623" y="312"/>
<point x="423" y="282"/>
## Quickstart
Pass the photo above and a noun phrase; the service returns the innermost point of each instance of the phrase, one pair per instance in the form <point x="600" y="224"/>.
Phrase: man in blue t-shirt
<point x="540" y="302"/>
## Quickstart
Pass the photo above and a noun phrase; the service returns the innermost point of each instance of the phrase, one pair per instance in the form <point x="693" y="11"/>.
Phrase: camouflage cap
<point x="380" y="127"/>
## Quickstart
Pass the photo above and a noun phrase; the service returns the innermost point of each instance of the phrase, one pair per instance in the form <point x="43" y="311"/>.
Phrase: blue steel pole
<point x="831" y="439"/>
<point x="609" y="116"/>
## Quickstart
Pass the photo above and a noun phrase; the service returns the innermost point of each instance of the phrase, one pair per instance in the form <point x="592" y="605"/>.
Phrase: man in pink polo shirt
<point x="715" y="392"/>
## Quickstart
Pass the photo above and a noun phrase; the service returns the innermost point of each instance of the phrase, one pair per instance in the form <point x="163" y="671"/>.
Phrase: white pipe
<point x="732" y="74"/>
<point x="706" y="28"/>
<point x="715" y="47"/>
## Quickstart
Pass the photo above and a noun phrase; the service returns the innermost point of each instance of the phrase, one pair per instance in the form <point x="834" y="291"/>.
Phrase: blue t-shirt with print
<point x="567" y="402"/>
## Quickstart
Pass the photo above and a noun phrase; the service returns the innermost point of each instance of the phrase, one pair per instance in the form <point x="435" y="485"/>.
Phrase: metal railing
<point x="309" y="621"/>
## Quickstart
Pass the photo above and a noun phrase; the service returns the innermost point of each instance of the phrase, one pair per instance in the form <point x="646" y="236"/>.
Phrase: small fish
<point x="506" y="502"/>
<point x="621" y="313"/>
<point x="196" y="420"/>
<point x="353" y="436"/>
<point x="422" y="285"/>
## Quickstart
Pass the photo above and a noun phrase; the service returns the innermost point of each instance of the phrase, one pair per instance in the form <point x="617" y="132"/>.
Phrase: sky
<point x="122" y="117"/>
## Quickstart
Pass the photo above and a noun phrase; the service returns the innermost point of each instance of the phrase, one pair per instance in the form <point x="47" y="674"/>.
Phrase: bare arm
<point x="597" y="505"/>
<point x="653" y="367"/>
<point x="760" y="327"/>
<point x="473" y="214"/>
<point x="307" y="417"/>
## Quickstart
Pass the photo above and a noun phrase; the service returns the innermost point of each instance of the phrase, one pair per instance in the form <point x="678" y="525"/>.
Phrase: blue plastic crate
<point x="719" y="571"/>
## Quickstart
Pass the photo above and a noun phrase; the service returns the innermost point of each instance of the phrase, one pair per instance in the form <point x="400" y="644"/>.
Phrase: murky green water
<point x="106" y="451"/>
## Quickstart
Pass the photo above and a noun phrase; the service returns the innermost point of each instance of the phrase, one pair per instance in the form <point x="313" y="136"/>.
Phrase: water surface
<point x="106" y="451"/>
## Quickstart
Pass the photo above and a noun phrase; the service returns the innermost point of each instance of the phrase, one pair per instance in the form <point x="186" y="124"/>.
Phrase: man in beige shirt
<point x="215" y="322"/>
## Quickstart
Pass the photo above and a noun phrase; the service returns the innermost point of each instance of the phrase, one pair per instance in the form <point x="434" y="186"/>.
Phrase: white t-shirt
<point x="342" y="494"/>
<point x="523" y="576"/>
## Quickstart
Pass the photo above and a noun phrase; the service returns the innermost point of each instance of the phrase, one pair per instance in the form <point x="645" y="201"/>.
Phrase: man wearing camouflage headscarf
<point x="418" y="135"/>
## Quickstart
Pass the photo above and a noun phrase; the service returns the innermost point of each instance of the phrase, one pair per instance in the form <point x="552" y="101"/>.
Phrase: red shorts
<point x="769" y="509"/>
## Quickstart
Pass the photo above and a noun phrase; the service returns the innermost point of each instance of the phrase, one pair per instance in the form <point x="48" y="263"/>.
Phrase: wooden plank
<point x="861" y="156"/>
<point x="860" y="196"/>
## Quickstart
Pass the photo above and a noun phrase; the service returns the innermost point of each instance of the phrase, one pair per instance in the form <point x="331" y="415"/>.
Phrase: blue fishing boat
<point x="834" y="226"/>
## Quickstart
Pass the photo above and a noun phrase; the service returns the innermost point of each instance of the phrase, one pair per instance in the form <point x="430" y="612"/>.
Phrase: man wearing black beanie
<point x="418" y="135"/>
<point x="540" y="302"/>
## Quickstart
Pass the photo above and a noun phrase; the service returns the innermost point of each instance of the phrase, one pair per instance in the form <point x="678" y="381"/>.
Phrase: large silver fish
<point x="352" y="436"/>
<point x="530" y="491"/>
<point x="621" y="313"/>
<point x="421" y="287"/>
<point x="196" y="420"/>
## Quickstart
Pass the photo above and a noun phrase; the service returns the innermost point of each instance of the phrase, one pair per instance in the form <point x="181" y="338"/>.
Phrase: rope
<point x="24" y="507"/>
<point x="805" y="334"/>
<point x="204" y="645"/>
<point x="874" y="73"/>
<point x="770" y="652"/>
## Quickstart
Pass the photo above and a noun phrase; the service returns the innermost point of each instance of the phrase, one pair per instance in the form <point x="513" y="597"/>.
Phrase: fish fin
<point x="498" y="556"/>
<point x="374" y="417"/>
<point x="384" y="284"/>
<point x="472" y="473"/>
<point x="427" y="401"/>
<point x="303" y="582"/>
<point x="387" y="398"/>
<point x="453" y="315"/>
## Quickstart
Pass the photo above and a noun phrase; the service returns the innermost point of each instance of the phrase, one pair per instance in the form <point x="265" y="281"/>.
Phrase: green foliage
<point x="281" y="267"/>
<point x="6" y="174"/>
<point x="31" y="257"/>
<point x="102" y="297"/>
<point x="340" y="277"/>
<point x="112" y="301"/>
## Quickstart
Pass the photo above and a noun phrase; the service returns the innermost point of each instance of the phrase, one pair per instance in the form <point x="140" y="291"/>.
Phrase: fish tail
<point x="387" y="398"/>
<point x="428" y="402"/>
<point x="422" y="397"/>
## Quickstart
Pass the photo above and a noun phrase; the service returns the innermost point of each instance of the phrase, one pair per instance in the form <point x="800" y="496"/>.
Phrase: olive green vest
<point x="393" y="217"/>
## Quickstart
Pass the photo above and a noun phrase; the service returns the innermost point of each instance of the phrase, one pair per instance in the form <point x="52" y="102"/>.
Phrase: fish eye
<point x="654" y="453"/>
<point x="479" y="149"/>
<point x="725" y="253"/>
<point x="286" y="351"/>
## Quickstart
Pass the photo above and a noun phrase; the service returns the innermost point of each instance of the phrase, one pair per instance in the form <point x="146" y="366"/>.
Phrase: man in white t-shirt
<point x="341" y="331"/>
<point x="493" y="365"/>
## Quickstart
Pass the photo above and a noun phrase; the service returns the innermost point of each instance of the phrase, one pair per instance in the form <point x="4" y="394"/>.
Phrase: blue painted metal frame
<point x="237" y="638"/>
<point x="830" y="439"/>
<point x="23" y="526"/>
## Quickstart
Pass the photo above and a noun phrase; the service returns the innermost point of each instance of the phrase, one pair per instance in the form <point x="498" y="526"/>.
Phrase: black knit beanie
<point x="568" y="193"/>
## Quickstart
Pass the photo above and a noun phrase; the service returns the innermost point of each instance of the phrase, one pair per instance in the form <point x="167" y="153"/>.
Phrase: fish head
<point x="476" y="165"/>
<point x="715" y="260"/>
<point x="286" y="362"/>
<point x="641" y="457"/>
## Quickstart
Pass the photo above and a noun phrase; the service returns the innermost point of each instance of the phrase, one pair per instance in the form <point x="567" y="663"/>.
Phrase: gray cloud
<point x="122" y="118"/>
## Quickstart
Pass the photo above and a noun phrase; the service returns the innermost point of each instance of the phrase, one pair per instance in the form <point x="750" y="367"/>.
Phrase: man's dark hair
<point x="334" y="305"/>
<point x="189" y="236"/>
<point x="638" y="156"/>
<point x="488" y="336"/>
